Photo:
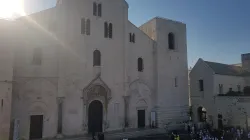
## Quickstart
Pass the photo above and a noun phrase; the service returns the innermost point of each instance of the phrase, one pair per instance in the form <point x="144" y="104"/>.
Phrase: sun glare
<point x="11" y="8"/>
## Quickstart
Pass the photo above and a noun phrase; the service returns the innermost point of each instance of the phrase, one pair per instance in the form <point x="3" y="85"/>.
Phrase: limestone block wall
<point x="228" y="82"/>
<point x="235" y="110"/>
<point x="6" y="77"/>
<point x="172" y="76"/>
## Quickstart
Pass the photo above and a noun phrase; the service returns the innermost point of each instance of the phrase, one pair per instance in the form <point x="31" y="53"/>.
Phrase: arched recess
<point x="36" y="97"/>
<point x="95" y="89"/>
<point x="202" y="114"/>
<point x="139" y="102"/>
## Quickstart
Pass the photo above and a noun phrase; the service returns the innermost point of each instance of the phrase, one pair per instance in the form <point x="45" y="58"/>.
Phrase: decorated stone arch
<point x="139" y="98"/>
<point x="97" y="91"/>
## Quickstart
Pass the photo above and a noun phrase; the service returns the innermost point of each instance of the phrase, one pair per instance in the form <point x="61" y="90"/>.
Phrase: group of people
<point x="222" y="134"/>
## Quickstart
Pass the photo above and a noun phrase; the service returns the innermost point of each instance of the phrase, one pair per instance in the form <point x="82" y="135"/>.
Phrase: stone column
<point x="85" y="115"/>
<point x="60" y="114"/>
<point x="126" y="103"/>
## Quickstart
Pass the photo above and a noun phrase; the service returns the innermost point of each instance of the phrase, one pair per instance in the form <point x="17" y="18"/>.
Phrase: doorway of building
<point x="202" y="114"/>
<point x="36" y="127"/>
<point x="141" y="118"/>
<point x="220" y="121"/>
<point x="95" y="116"/>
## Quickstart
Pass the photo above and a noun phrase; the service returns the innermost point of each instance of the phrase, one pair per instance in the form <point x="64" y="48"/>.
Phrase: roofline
<point x="230" y="75"/>
<point x="141" y="31"/>
<point x="200" y="59"/>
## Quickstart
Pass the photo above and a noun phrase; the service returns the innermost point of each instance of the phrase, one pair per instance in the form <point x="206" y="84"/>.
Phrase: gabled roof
<point x="225" y="69"/>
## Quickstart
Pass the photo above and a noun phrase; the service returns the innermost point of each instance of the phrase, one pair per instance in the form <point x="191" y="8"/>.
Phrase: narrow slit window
<point x="99" y="10"/>
<point x="106" y="30"/>
<point x="94" y="9"/>
<point x="140" y="64"/>
<point x="88" y="27"/>
<point x="171" y="41"/>
<point x="110" y="30"/>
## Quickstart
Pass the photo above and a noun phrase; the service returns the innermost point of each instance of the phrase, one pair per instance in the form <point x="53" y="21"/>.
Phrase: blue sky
<point x="217" y="30"/>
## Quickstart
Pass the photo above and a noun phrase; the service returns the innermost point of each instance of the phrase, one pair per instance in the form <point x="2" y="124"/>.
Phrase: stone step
<point x="133" y="134"/>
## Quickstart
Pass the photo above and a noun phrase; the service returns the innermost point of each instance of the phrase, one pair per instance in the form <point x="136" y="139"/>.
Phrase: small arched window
<point x="140" y="64"/>
<point x="106" y="30"/>
<point x="94" y="9"/>
<point x="97" y="58"/>
<point x="110" y="30"/>
<point x="88" y="27"/>
<point x="133" y="38"/>
<point x="171" y="41"/>
<point x="99" y="10"/>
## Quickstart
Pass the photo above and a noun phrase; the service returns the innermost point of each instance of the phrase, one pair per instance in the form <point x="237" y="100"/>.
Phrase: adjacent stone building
<point x="82" y="66"/>
<point x="218" y="93"/>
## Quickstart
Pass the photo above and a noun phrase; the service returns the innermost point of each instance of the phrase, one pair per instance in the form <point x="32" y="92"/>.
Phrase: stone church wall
<point x="66" y="74"/>
<point x="141" y="84"/>
<point x="6" y="77"/>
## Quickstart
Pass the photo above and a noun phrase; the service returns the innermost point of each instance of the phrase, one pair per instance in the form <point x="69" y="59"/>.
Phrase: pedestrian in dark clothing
<point x="189" y="129"/>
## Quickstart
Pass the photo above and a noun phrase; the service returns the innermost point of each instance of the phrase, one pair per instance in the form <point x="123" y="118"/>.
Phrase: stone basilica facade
<point x="82" y="66"/>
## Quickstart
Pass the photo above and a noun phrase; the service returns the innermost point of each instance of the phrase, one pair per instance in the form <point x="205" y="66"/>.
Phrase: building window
<point x="201" y="85"/>
<point x="176" y="82"/>
<point x="88" y="27"/>
<point x="94" y="9"/>
<point x="99" y="10"/>
<point x="132" y="37"/>
<point x="37" y="56"/>
<point x="106" y="30"/>
<point x="110" y="30"/>
<point x="220" y="88"/>
<point x="230" y="89"/>
<point x="239" y="88"/>
<point x="171" y="41"/>
<point x="140" y="64"/>
<point x="97" y="58"/>
<point x="83" y="26"/>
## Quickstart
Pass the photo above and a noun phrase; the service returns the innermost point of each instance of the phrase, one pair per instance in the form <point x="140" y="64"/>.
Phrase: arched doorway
<point x="202" y="114"/>
<point x="95" y="116"/>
